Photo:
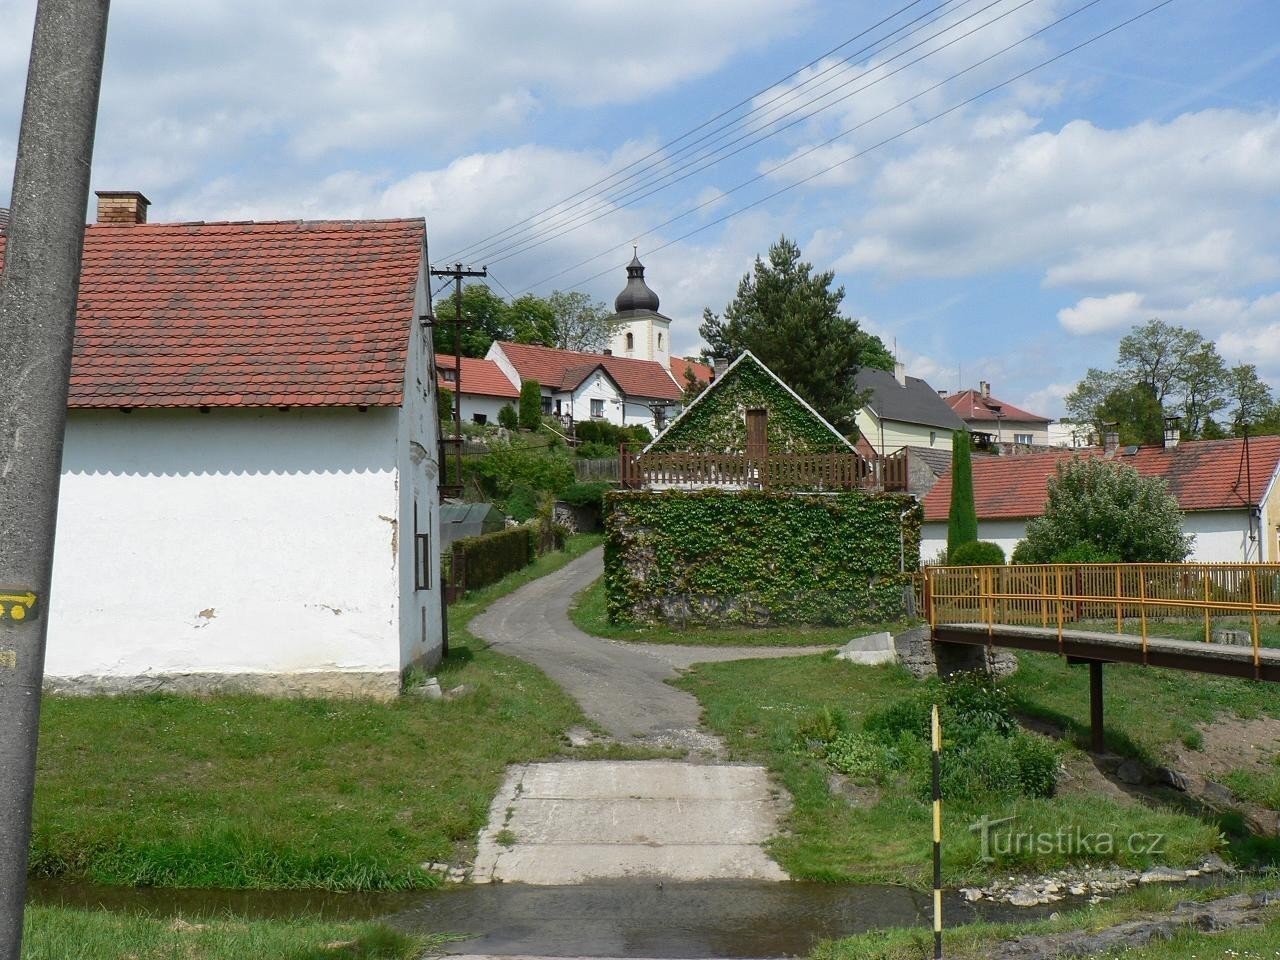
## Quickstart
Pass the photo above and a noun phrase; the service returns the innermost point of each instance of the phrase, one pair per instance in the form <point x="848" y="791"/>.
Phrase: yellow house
<point x="903" y="411"/>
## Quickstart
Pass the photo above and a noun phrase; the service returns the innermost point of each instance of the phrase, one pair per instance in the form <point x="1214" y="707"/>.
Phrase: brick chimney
<point x="718" y="366"/>
<point x="122" y="207"/>
<point x="1110" y="443"/>
<point x="984" y="386"/>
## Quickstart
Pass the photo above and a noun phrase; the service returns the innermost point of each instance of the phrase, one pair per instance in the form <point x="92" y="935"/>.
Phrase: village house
<point x="593" y="386"/>
<point x="249" y="496"/>
<point x="748" y="429"/>
<point x="903" y="411"/>
<point x="485" y="388"/>
<point x="1002" y="422"/>
<point x="1229" y="491"/>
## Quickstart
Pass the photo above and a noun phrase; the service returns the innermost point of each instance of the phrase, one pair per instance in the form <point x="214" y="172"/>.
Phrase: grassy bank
<point x="973" y="942"/>
<point x="57" y="933"/>
<point x="250" y="792"/>
<point x="590" y="613"/>
<point x="1146" y="710"/>
<point x="758" y="706"/>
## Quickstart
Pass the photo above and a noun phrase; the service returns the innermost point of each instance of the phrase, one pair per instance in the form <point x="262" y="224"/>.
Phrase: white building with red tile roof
<point x="593" y="386"/>
<point x="250" y="475"/>
<point x="1229" y="494"/>
<point x="484" y="387"/>
<point x="1004" y="422"/>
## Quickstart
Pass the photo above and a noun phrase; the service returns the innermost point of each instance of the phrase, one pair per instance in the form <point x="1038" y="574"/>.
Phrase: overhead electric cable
<point x="606" y="209"/>
<point x="861" y="153"/>
<point x="836" y="49"/>
<point x="538" y="221"/>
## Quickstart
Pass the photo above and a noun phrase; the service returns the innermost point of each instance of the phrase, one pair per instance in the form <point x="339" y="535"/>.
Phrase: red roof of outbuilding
<point x="481" y="377"/>
<point x="679" y="366"/>
<point x="245" y="314"/>
<point x="1202" y="475"/>
<point x="972" y="405"/>
<point x="549" y="366"/>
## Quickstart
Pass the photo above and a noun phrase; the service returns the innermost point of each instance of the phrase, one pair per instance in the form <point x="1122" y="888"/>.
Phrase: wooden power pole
<point x="457" y="273"/>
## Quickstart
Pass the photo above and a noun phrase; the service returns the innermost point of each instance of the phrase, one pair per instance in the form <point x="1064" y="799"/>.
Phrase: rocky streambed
<point x="1095" y="883"/>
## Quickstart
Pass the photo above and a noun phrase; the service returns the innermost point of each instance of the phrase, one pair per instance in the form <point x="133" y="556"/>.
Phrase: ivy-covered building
<point x="748" y="410"/>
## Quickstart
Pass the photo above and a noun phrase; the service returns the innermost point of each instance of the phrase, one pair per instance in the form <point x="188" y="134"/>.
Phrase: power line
<point x="705" y="123"/>
<point x="865" y="151"/>
<point x="604" y="209"/>
<point x="536" y="222"/>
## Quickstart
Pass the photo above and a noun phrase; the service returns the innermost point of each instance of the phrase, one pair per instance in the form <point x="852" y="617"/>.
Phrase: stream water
<point x="609" y="919"/>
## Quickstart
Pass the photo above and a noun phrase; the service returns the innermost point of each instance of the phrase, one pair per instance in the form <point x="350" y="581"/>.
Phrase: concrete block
<point x="875" y="648"/>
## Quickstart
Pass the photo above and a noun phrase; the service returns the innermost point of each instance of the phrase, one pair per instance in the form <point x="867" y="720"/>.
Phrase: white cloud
<point x="1096" y="314"/>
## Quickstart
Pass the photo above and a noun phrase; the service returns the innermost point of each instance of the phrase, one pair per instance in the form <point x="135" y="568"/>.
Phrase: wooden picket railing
<point x="804" y="471"/>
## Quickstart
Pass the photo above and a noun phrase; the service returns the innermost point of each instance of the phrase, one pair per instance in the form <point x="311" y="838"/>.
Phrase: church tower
<point x="640" y="331"/>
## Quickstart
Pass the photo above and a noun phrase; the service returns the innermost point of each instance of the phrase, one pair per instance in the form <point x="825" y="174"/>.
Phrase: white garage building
<point x="249" y="494"/>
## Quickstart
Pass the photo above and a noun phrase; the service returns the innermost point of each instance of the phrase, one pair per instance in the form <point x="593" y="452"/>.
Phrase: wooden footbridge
<point x="1217" y="618"/>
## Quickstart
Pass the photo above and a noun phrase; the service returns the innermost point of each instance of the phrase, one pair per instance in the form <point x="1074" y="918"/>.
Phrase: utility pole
<point x="38" y="291"/>
<point x="457" y="273"/>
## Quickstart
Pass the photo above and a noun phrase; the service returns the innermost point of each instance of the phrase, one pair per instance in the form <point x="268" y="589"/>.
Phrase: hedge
<point x="757" y="557"/>
<point x="488" y="558"/>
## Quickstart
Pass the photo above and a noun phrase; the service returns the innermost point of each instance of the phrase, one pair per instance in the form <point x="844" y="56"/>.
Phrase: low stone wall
<point x="755" y="557"/>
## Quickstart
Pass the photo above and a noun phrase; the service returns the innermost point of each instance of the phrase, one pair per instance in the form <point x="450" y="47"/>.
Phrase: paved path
<point x="620" y="685"/>
<point x="573" y="822"/>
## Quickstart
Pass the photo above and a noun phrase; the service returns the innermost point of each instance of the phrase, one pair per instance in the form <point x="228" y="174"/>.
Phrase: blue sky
<point x="1013" y="240"/>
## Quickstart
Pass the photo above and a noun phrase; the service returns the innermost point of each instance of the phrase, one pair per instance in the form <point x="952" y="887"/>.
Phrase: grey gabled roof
<point x="917" y="402"/>
<point x="938" y="459"/>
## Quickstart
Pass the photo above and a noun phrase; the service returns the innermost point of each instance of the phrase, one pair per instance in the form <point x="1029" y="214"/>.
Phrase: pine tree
<point x="962" y="526"/>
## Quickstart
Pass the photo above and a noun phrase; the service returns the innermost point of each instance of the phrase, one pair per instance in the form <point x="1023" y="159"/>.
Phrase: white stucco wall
<point x="237" y="542"/>
<point x="596" y="387"/>
<point x="417" y="456"/>
<point x="473" y="403"/>
<point x="646" y="334"/>
<point x="888" y="436"/>
<point x="1221" y="536"/>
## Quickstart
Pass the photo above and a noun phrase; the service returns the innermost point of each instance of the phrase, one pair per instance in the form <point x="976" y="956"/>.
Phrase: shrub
<point x="509" y="465"/>
<point x="823" y="726"/>
<point x="1038" y="762"/>
<point x="610" y="434"/>
<point x="1085" y="553"/>
<point x="977" y="553"/>
<point x="490" y="557"/>
<point x="863" y="757"/>
<point x="531" y="404"/>
<point x="1111" y="507"/>
<point x="586" y="494"/>
<point x="523" y="503"/>
<point x="444" y="405"/>
<point x="508" y="418"/>
<point x="593" y="450"/>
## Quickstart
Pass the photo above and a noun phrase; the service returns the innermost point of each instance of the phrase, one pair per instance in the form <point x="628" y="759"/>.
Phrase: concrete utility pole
<point x="38" y="292"/>
<point x="457" y="273"/>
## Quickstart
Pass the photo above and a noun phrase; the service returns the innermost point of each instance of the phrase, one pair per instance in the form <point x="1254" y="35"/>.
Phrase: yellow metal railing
<point x="1183" y="598"/>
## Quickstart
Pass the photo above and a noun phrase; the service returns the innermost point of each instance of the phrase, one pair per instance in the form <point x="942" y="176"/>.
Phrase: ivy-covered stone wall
<point x="755" y="557"/>
<point x="718" y="421"/>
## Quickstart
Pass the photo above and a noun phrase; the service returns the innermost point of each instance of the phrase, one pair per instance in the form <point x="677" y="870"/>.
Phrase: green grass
<point x="756" y="706"/>
<point x="590" y="614"/>
<point x="973" y="941"/>
<point x="59" y="933"/>
<point x="1262" y="788"/>
<point x="1146" y="710"/>
<point x="252" y="792"/>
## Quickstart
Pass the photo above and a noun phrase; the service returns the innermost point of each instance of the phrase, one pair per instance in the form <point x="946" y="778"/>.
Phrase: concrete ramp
<point x="563" y="823"/>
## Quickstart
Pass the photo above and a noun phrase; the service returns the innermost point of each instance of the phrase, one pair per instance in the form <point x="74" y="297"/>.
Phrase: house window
<point x="480" y="418"/>
<point x="421" y="555"/>
<point x="559" y="408"/>
<point x="631" y="341"/>
<point x="1024" y="438"/>
<point x="546" y="404"/>
<point x="659" y="341"/>
<point x="933" y="438"/>
<point x="449" y="376"/>
<point x="597" y="409"/>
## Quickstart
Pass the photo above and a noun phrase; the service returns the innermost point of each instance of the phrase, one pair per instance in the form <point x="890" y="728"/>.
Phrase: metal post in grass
<point x="38" y="291"/>
<point x="936" y="729"/>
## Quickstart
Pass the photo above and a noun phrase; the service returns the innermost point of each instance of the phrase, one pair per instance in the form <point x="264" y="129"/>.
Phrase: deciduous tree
<point x="581" y="323"/>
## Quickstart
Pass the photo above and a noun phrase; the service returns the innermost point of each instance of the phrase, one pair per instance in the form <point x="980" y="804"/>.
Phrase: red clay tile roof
<point x="972" y="405"/>
<point x="245" y="314"/>
<point x="1202" y="474"/>
<point x="700" y="370"/>
<point x="482" y="377"/>
<point x="636" y="378"/>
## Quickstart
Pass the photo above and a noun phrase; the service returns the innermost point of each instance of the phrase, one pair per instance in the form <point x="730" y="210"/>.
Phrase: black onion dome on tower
<point x="636" y="295"/>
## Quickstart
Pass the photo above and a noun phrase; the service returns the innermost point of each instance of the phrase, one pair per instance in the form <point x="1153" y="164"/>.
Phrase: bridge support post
<point x="1097" y="736"/>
